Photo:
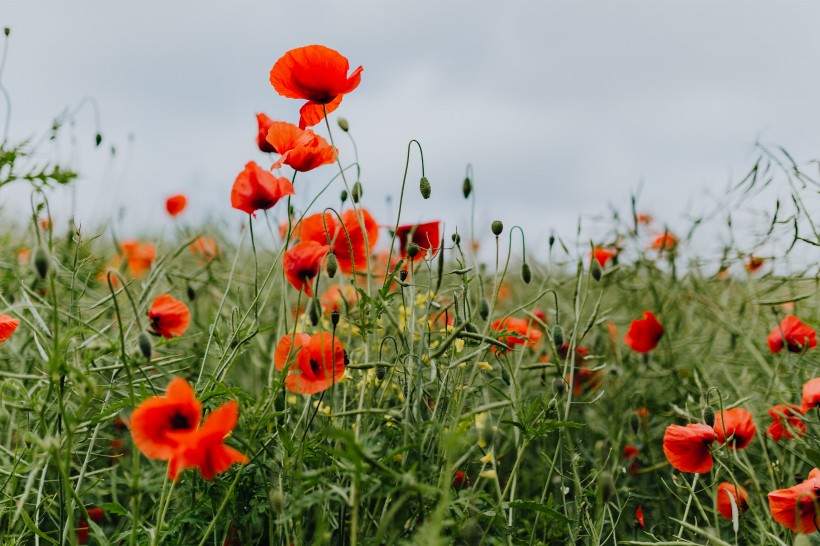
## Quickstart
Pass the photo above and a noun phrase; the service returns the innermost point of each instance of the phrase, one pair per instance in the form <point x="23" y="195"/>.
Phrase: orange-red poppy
<point x="342" y="239"/>
<point x="796" y="507"/>
<point x="688" y="448"/>
<point x="83" y="532"/>
<point x="7" y="327"/>
<point x="725" y="490"/>
<point x="644" y="219"/>
<point x="176" y="204"/>
<point x="139" y="257"/>
<point x="735" y="425"/>
<point x="264" y="122"/>
<point x="639" y="517"/>
<point x="257" y="189"/>
<point x="665" y="241"/>
<point x="753" y="263"/>
<point x="792" y="333"/>
<point x="204" y="248"/>
<point x="786" y="422"/>
<point x="23" y="255"/>
<point x="811" y="394"/>
<point x="300" y="149"/>
<point x="338" y="297"/>
<point x="603" y="255"/>
<point x="644" y="334"/>
<point x="314" y="362"/>
<point x="168" y="316"/>
<point x="460" y="479"/>
<point x="317" y="74"/>
<point x="301" y="264"/>
<point x="584" y="380"/>
<point x="426" y="236"/>
<point x="205" y="447"/>
<point x="514" y="331"/>
<point x="160" y="422"/>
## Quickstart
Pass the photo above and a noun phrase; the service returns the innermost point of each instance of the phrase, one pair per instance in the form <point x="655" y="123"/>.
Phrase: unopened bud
<point x="41" y="262"/>
<point x="277" y="501"/>
<point x="456" y="238"/>
<point x="552" y="240"/>
<point x="424" y="187"/>
<point x="381" y="372"/>
<point x="403" y="275"/>
<point x="595" y="270"/>
<point x="467" y="187"/>
<point x="526" y="273"/>
<point x="331" y="265"/>
<point x="505" y="375"/>
<point x="635" y="422"/>
<point x="606" y="486"/>
<point x="145" y="345"/>
<point x="343" y="196"/>
<point x="343" y="125"/>
<point x="6" y="31"/>
<point x="558" y="336"/>
<point x="483" y="309"/>
<point x="356" y="192"/>
<point x="497" y="227"/>
<point x="191" y="293"/>
<point x="709" y="416"/>
<point x="559" y="385"/>
<point x="412" y="250"/>
<point x="314" y="311"/>
<point x="334" y="317"/>
<point x="97" y="139"/>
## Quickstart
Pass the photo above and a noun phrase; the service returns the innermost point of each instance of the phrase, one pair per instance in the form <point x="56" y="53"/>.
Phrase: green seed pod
<point x="606" y="486"/>
<point x="709" y="416"/>
<point x="344" y="196"/>
<point x="97" y="139"/>
<point x="483" y="309"/>
<point x="558" y="336"/>
<point x="314" y="311"/>
<point x="497" y="227"/>
<point x="595" y="270"/>
<point x="424" y="187"/>
<point x="146" y="348"/>
<point x="403" y="275"/>
<point x="41" y="262"/>
<point x="277" y="501"/>
<point x="357" y="192"/>
<point x="412" y="250"/>
<point x="456" y="238"/>
<point x="331" y="265"/>
<point x="467" y="187"/>
<point x="343" y="125"/>
<point x="526" y="273"/>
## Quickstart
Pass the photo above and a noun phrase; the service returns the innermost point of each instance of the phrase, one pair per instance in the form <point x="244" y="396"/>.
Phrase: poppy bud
<point x="558" y="336"/>
<point x="381" y="372"/>
<point x="277" y="501"/>
<point x="344" y="196"/>
<point x="471" y="328"/>
<point x="331" y="265"/>
<point x="483" y="309"/>
<point x="356" y="192"/>
<point x="343" y="125"/>
<point x="526" y="273"/>
<point x="424" y="187"/>
<point x="41" y="262"/>
<point x="467" y="187"/>
<point x="313" y="311"/>
<point x="97" y="139"/>
<point x="145" y="345"/>
<point x="191" y="293"/>
<point x="709" y="416"/>
<point x="456" y="238"/>
<point x="497" y="227"/>
<point x="595" y="270"/>
<point x="412" y="250"/>
<point x="505" y="375"/>
<point x="606" y="486"/>
<point x="334" y="317"/>
<point x="403" y="275"/>
<point x="551" y="240"/>
<point x="559" y="386"/>
<point x="6" y="31"/>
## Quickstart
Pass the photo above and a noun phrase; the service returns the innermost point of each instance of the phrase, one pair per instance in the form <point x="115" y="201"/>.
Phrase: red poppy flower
<point x="786" y="422"/>
<point x="630" y="452"/>
<point x="169" y="317"/>
<point x="338" y="297"/>
<point x="460" y="479"/>
<point x="795" y="507"/>
<point x="644" y="219"/>
<point x="301" y="149"/>
<point x="264" y="123"/>
<point x="301" y="263"/>
<point x="205" y="448"/>
<point x="584" y="380"/>
<point x="514" y="331"/>
<point x="736" y="425"/>
<point x="644" y="334"/>
<point x="7" y="327"/>
<point x="204" y="248"/>
<point x="342" y="239"/>
<point x="754" y="263"/>
<point x="427" y="237"/>
<point x="581" y="352"/>
<point x="176" y="204"/>
<point x="83" y="532"/>
<point x="139" y="256"/>
<point x="724" y="503"/>
<point x="665" y="241"/>
<point x="602" y="255"/>
<point x="811" y="394"/>
<point x="317" y="74"/>
<point x="315" y="362"/>
<point x="256" y="188"/>
<point x="794" y="334"/>
<point x="688" y="448"/>
<point x="159" y="422"/>
<point x="639" y="517"/>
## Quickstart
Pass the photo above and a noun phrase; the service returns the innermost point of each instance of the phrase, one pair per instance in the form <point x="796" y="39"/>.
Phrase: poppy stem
<point x="255" y="272"/>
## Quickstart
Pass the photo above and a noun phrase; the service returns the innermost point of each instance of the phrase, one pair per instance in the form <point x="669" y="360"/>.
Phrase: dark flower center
<point x="316" y="368"/>
<point x="178" y="421"/>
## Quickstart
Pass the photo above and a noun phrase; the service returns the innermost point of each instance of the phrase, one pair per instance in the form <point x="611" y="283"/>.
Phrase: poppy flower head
<point x="176" y="204"/>
<point x="786" y="422"/>
<point x="585" y="380"/>
<point x="343" y="238"/>
<point x="644" y="219"/>
<point x="736" y="426"/>
<point x="139" y="257"/>
<point x="793" y="334"/>
<point x="204" y="248"/>
<point x="644" y="334"/>
<point x="795" y="507"/>
<point x="738" y="494"/>
<point x="7" y="327"/>
<point x="168" y="316"/>
<point x="158" y="424"/>
<point x="83" y="531"/>
<point x="205" y="447"/>
<point x="301" y="264"/>
<point x="460" y="479"/>
<point x="630" y="452"/>
<point x="314" y="363"/>
<point x="264" y="122"/>
<point x="257" y="189"/>
<point x="426" y="236"/>
<point x="317" y="74"/>
<point x="602" y="255"/>
<point x="754" y="263"/>
<point x="639" y="521"/>
<point x="688" y="448"/>
<point x="338" y="297"/>
<point x="514" y="331"/>
<point x="665" y="242"/>
<point x="811" y="395"/>
<point x="300" y="149"/>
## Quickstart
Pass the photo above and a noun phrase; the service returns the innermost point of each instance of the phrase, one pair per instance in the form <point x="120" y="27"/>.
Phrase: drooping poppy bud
<point x="145" y="345"/>
<point x="709" y="416"/>
<point x="41" y="262"/>
<point x="331" y="265"/>
<point x="424" y="187"/>
<point x="343" y="125"/>
<point x="497" y="227"/>
<point x="97" y="140"/>
<point x="343" y="196"/>
<point x="595" y="270"/>
<point x="526" y="273"/>
<point x="483" y="309"/>
<point x="467" y="187"/>
<point x="456" y="238"/>
<point x="558" y="336"/>
<point x="314" y="311"/>
<point x="356" y="192"/>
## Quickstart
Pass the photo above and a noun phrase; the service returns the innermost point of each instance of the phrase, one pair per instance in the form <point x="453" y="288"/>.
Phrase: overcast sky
<point x="562" y="108"/>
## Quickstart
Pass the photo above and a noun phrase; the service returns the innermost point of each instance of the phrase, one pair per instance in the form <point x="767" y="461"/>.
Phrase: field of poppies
<point x="346" y="378"/>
